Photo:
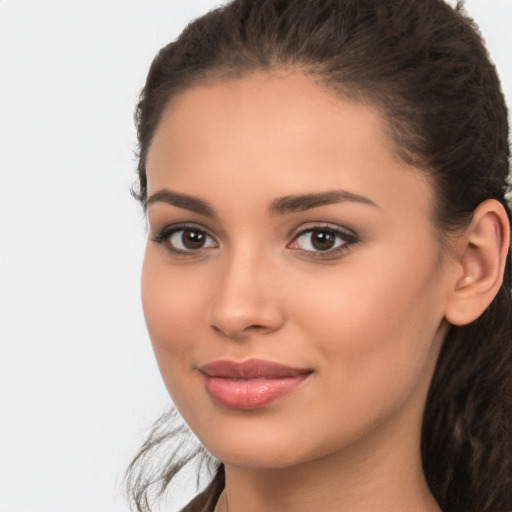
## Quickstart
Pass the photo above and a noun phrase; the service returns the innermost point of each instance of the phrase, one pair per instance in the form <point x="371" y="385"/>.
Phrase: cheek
<point x="376" y="324"/>
<point x="374" y="338"/>
<point x="173" y="302"/>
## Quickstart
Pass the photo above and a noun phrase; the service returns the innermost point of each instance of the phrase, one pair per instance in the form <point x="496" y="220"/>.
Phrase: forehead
<point x="285" y="131"/>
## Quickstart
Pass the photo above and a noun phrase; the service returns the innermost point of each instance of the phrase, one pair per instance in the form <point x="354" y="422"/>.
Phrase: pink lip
<point x="250" y="384"/>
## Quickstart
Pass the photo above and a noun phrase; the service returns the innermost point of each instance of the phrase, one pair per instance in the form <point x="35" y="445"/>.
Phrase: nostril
<point x="238" y="333"/>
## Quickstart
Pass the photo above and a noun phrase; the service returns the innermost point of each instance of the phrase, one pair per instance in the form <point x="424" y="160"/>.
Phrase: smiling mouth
<point x="250" y="384"/>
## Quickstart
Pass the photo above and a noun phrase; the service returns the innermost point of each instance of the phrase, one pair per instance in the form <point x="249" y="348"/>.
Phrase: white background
<point x="78" y="384"/>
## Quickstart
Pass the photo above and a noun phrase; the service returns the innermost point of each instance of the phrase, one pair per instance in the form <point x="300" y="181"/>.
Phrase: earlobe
<point x="482" y="255"/>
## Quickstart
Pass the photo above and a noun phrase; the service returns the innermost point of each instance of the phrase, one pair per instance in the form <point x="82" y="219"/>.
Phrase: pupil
<point x="192" y="239"/>
<point x="323" y="240"/>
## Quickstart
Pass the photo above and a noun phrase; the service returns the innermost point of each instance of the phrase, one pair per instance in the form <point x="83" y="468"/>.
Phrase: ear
<point x="481" y="256"/>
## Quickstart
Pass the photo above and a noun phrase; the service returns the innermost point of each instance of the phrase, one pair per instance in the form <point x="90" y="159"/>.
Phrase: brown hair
<point x="424" y="64"/>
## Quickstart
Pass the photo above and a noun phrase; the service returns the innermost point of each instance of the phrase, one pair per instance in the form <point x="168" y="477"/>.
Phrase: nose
<point x="246" y="300"/>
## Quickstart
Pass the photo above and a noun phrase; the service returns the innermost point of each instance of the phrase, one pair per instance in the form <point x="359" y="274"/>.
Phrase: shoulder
<point x="201" y="503"/>
<point x="204" y="502"/>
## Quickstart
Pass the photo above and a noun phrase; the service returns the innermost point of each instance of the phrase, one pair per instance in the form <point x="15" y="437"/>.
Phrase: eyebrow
<point x="190" y="203"/>
<point x="280" y="206"/>
<point x="290" y="204"/>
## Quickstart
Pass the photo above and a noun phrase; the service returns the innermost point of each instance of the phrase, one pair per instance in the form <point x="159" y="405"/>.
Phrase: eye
<point x="322" y="240"/>
<point x="185" y="239"/>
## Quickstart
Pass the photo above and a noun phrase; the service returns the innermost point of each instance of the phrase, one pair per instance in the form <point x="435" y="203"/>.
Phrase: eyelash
<point x="165" y="236"/>
<point x="348" y="239"/>
<point x="343" y="239"/>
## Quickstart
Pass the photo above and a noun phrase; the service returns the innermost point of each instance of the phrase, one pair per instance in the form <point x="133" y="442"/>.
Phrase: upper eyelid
<point x="295" y="233"/>
<point x="167" y="231"/>
<point x="170" y="228"/>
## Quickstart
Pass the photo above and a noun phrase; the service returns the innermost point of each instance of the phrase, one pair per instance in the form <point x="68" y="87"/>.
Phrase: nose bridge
<point x="245" y="299"/>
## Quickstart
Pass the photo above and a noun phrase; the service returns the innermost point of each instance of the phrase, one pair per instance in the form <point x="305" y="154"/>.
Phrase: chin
<point x="250" y="444"/>
<point x="259" y="457"/>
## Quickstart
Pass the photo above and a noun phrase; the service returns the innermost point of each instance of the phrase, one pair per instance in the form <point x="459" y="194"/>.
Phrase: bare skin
<point x="366" y="317"/>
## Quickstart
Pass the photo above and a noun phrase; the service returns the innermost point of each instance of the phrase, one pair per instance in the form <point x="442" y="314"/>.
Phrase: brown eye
<point x="318" y="240"/>
<point x="193" y="239"/>
<point x="323" y="240"/>
<point x="189" y="240"/>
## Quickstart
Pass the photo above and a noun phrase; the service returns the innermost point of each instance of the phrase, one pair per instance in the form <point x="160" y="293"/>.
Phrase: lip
<point x="250" y="384"/>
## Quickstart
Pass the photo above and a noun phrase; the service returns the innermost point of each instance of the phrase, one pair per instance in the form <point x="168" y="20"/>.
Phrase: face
<point x="293" y="284"/>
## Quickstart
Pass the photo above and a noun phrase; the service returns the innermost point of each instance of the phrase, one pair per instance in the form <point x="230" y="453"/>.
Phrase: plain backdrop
<point x="78" y="384"/>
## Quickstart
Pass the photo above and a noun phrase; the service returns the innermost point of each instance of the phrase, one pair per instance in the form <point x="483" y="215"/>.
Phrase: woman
<point x="327" y="276"/>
